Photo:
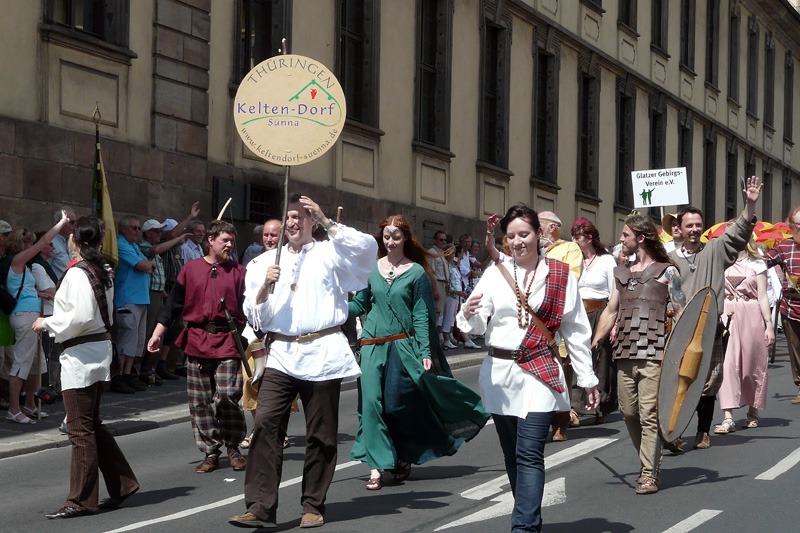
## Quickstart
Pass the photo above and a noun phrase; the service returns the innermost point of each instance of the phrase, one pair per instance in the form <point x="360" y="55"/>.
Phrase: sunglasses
<point x="135" y="228"/>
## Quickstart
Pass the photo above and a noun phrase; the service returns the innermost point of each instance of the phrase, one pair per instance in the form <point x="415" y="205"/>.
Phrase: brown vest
<point x="642" y="316"/>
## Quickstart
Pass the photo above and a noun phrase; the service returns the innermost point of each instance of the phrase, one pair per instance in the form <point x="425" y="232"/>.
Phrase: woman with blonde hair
<point x="410" y="408"/>
<point x="22" y="246"/>
<point x="744" y="381"/>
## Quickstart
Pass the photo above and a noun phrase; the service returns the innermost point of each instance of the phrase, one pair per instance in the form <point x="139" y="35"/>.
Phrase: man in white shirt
<point x="309" y="353"/>
<point x="193" y="248"/>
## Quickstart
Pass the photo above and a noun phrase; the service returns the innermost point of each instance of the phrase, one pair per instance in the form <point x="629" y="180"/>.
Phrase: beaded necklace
<point x="523" y="323"/>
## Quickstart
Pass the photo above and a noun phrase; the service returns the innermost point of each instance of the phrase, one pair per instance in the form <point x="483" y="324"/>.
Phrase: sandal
<point x="727" y="426"/>
<point x="246" y="442"/>
<point x="34" y="413"/>
<point x="402" y="471"/>
<point x="374" y="483"/>
<point x="19" y="418"/>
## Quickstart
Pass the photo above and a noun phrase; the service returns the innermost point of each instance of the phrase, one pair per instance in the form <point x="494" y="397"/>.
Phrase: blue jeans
<point x="522" y="441"/>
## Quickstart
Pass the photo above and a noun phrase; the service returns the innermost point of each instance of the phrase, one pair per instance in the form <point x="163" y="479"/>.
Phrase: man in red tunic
<point x="214" y="376"/>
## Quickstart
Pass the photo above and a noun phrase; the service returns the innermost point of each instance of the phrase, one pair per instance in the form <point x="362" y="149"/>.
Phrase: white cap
<point x="151" y="224"/>
<point x="169" y="224"/>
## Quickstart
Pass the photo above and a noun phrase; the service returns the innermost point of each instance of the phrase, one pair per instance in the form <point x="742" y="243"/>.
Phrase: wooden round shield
<point x="687" y="359"/>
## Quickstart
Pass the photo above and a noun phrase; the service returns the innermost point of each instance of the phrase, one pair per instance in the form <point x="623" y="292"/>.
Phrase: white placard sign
<point x="666" y="186"/>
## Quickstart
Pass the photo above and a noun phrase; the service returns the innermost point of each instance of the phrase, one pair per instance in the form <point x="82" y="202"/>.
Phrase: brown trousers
<point x="791" y="328"/>
<point x="93" y="448"/>
<point x="265" y="459"/>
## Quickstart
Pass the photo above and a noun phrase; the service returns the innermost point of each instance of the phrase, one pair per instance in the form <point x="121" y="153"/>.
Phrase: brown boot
<point x="209" y="464"/>
<point x="238" y="461"/>
<point x="648" y="485"/>
<point x="560" y="434"/>
<point x="702" y="441"/>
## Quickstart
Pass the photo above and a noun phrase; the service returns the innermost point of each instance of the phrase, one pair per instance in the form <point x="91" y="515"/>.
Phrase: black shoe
<point x="69" y="512"/>
<point x="113" y="503"/>
<point x="166" y="374"/>
<point x="134" y="383"/>
<point x="120" y="384"/>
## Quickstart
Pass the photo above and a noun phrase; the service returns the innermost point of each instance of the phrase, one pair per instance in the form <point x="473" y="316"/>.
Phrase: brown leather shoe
<point x="209" y="464"/>
<point x="311" y="520"/>
<point x="675" y="446"/>
<point x="238" y="461"/>
<point x="560" y="434"/>
<point x="574" y="421"/>
<point x="648" y="485"/>
<point x="248" y="519"/>
<point x="702" y="441"/>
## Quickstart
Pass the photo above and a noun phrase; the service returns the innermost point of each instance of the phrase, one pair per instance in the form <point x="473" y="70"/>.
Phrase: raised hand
<point x="752" y="190"/>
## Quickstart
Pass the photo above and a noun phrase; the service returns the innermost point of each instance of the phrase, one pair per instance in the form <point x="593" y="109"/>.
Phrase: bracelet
<point x="489" y="232"/>
<point x="329" y="225"/>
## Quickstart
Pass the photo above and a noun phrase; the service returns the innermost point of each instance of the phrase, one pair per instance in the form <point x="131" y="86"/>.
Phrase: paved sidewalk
<point x="131" y="413"/>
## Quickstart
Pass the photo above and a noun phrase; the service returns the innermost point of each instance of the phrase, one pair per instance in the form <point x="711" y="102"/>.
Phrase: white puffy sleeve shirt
<point x="75" y="313"/>
<point x="597" y="281"/>
<point x="507" y="389"/>
<point x="323" y="273"/>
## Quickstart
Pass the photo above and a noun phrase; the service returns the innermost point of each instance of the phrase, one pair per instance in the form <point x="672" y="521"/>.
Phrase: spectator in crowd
<point x="46" y="282"/>
<point x="28" y="359"/>
<point x="256" y="247"/>
<point x="80" y="322"/>
<point x="465" y="267"/>
<point x="441" y="273"/>
<point x="131" y="298"/>
<point x="152" y="246"/>
<point x="61" y="253"/>
<point x="272" y="234"/>
<point x="5" y="361"/>
<point x="669" y="224"/>
<point x="193" y="248"/>
<point x="5" y="231"/>
<point x="455" y="295"/>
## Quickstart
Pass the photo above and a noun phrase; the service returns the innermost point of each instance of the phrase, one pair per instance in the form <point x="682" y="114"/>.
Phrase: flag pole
<point x="96" y="185"/>
<point x="285" y="195"/>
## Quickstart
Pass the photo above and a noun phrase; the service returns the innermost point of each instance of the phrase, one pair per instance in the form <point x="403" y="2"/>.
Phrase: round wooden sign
<point x="289" y="109"/>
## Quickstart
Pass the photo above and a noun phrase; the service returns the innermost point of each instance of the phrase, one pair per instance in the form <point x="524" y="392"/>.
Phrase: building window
<point x="786" y="195"/>
<point x="627" y="13"/>
<point x="687" y="32"/>
<point x="434" y="45"/>
<point x="766" y="196"/>
<point x="752" y="67"/>
<point x="733" y="59"/>
<point x="685" y="142"/>
<point x="106" y="20"/>
<point x="659" y="35"/>
<point x="545" y="116"/>
<point x="626" y="126"/>
<point x="494" y="95"/>
<point x="731" y="180"/>
<point x="769" y="81"/>
<point x="712" y="42"/>
<point x="358" y="58"/>
<point x="709" y="177"/>
<point x="262" y="26"/>
<point x="788" y="96"/>
<point x="588" y="132"/>
<point x="264" y="204"/>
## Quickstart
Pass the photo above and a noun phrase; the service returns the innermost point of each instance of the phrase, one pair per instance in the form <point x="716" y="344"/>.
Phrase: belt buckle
<point x="210" y="327"/>
<point x="307" y="337"/>
<point x="515" y="355"/>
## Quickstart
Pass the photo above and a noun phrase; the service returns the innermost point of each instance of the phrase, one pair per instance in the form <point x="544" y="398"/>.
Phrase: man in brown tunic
<point x="638" y="311"/>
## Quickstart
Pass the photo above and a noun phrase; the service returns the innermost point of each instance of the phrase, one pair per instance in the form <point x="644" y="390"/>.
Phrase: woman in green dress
<point x="410" y="408"/>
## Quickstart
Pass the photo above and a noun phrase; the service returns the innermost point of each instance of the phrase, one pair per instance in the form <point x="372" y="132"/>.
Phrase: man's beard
<point x="224" y="255"/>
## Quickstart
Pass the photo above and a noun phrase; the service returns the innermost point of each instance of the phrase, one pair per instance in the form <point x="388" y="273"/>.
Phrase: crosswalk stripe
<point x="697" y="519"/>
<point x="783" y="465"/>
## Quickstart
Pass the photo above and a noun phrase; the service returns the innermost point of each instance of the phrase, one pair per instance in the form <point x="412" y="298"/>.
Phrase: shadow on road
<point x="691" y="475"/>
<point x="385" y="502"/>
<point x="152" y="497"/>
<point x="590" y="524"/>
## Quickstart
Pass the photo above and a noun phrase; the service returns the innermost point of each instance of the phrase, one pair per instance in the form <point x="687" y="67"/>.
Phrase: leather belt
<point x="594" y="305"/>
<point x="306" y="337"/>
<point x="211" y="327"/>
<point x="745" y="298"/>
<point x="499" y="353"/>
<point x="83" y="339"/>
<point x="383" y="340"/>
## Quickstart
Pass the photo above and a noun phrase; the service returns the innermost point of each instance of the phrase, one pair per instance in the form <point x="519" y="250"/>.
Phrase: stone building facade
<point x="456" y="108"/>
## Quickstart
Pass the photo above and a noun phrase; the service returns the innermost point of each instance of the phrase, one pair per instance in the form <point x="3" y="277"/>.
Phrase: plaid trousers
<point x="215" y="388"/>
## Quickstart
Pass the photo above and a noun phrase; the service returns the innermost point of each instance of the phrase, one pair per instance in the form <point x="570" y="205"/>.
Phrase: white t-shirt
<point x="597" y="279"/>
<point x="43" y="282"/>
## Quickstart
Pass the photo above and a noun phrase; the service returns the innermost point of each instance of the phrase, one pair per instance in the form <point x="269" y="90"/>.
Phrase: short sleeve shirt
<point x="132" y="286"/>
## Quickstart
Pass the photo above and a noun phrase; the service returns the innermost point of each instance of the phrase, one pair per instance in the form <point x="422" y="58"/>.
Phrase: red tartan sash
<point x="535" y="353"/>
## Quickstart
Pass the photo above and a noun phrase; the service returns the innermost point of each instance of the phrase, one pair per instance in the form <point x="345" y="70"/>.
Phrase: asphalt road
<point x="745" y="481"/>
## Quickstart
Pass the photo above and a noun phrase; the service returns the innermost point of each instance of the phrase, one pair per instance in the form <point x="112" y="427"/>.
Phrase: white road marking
<point x="694" y="521"/>
<point x="554" y="494"/>
<point x="554" y="491"/>
<point x="493" y="486"/>
<point x="222" y="503"/>
<point x="783" y="465"/>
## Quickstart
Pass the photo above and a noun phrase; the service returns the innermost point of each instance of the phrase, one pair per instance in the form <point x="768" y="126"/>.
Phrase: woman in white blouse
<point x="595" y="287"/>
<point x="82" y="316"/>
<point x="522" y="404"/>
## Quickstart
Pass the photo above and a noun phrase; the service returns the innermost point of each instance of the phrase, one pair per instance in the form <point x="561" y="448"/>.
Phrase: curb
<point x="166" y="416"/>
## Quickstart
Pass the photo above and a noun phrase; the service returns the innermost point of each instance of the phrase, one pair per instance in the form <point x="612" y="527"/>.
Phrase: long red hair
<point x="412" y="248"/>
